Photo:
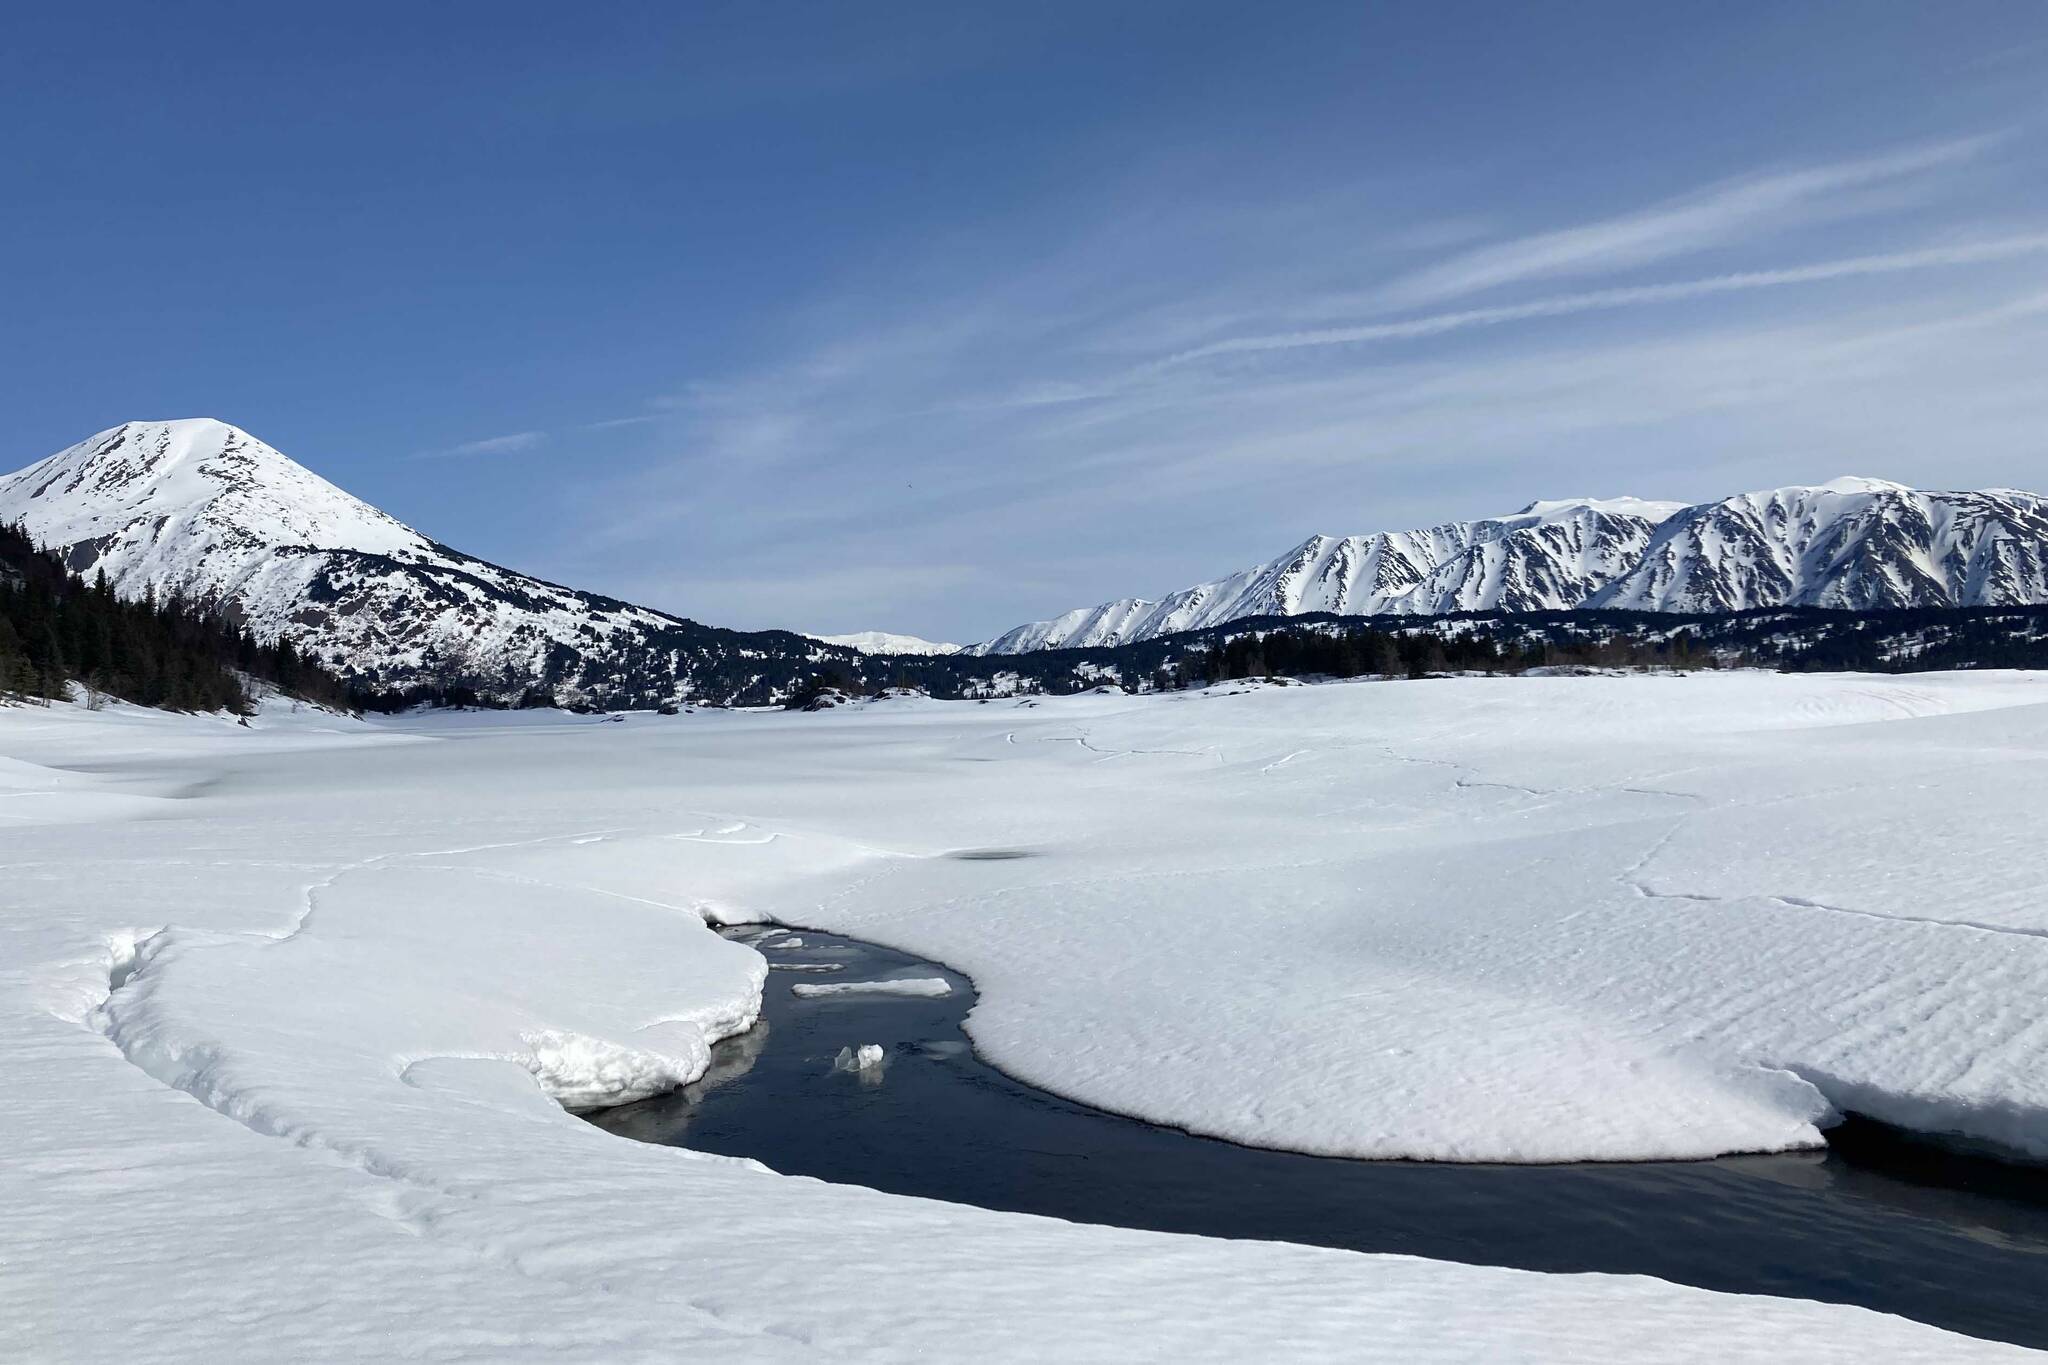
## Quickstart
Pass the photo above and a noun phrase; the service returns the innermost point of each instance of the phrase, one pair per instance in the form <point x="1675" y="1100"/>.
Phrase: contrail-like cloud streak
<point x="1435" y="324"/>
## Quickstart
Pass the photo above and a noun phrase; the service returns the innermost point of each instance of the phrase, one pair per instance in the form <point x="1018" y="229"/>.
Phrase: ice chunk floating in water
<point x="866" y="1057"/>
<point x="916" y="985"/>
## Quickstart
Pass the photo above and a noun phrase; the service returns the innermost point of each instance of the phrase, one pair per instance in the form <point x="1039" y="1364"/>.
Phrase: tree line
<point x="58" y="632"/>
<point x="1345" y="653"/>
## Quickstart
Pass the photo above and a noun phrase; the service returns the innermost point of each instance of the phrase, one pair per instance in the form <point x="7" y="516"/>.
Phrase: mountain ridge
<point x="1853" y="542"/>
<point x="202" y="510"/>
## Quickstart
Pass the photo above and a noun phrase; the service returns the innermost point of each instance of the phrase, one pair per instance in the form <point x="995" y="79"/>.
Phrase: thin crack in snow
<point x="1630" y="878"/>
<point x="1976" y="926"/>
<point x="1108" y="754"/>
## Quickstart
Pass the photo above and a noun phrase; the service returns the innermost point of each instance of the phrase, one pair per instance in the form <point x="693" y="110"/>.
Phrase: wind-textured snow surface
<point x="291" y="1013"/>
<point x="1853" y="543"/>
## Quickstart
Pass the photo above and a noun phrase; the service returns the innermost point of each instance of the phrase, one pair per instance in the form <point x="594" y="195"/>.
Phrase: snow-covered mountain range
<point x="1852" y="543"/>
<point x="202" y="509"/>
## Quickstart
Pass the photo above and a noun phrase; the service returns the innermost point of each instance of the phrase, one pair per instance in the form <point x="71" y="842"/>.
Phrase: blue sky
<point x="937" y="318"/>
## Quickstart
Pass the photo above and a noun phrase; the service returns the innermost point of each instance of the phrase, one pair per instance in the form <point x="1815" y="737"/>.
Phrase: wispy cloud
<point x="517" y="442"/>
<point x="1055" y="422"/>
<point x="1436" y="324"/>
<point x="512" y="442"/>
<point x="1710" y="217"/>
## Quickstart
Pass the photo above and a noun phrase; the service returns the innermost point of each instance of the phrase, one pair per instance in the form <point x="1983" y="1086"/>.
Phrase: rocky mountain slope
<point x="1856" y="544"/>
<point x="202" y="509"/>
<point x="1852" y="543"/>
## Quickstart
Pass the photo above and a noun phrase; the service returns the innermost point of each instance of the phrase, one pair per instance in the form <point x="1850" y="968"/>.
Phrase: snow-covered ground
<point x="290" y="1012"/>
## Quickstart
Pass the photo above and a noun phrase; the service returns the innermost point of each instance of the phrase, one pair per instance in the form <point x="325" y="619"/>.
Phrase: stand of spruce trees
<point x="57" y="630"/>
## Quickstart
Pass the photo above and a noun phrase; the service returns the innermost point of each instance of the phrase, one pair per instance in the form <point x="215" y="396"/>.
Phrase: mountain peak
<point x="179" y="437"/>
<point x="156" y="502"/>
<point x="193" y="427"/>
<point x="1624" y="506"/>
<point x="137" y="454"/>
<point x="1857" y="483"/>
<point x="137" y="450"/>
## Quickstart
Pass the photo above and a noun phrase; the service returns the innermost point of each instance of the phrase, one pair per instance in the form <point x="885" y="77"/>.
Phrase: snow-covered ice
<point x="908" y="985"/>
<point x="291" y="1013"/>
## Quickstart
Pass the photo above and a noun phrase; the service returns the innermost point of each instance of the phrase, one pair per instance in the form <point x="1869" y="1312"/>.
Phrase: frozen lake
<point x="305" y="1008"/>
<point x="1954" y="1241"/>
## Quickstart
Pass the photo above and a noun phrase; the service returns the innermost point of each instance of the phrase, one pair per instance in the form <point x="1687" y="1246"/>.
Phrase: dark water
<point x="1877" y="1220"/>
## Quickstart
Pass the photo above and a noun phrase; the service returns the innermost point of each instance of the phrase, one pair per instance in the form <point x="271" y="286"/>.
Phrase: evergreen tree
<point x="57" y="630"/>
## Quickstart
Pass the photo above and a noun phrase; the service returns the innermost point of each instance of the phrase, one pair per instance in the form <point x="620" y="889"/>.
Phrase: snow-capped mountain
<point x="202" y="509"/>
<point x="1858" y="544"/>
<point x="1550" y="554"/>
<point x="887" y="642"/>
<point x="1853" y="543"/>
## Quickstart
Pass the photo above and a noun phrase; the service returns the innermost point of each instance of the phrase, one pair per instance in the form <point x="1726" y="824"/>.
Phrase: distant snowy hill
<point x="200" y="508"/>
<point x="1852" y="543"/>
<point x="883" y="642"/>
